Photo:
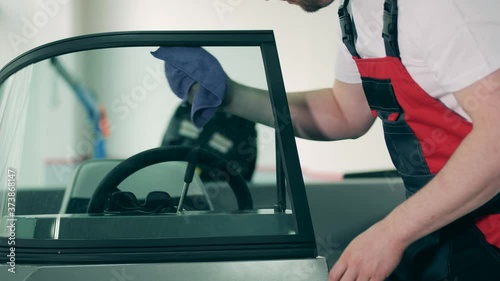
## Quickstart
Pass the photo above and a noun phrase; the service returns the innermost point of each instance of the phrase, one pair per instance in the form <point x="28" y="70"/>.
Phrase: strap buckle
<point x="347" y="28"/>
<point x="390" y="30"/>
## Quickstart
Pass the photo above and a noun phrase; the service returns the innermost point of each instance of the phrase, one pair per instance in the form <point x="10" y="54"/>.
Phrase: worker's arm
<point x="469" y="179"/>
<point x="341" y="112"/>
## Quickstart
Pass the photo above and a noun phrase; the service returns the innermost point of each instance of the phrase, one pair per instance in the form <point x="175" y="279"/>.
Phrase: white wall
<point x="25" y="24"/>
<point x="306" y="44"/>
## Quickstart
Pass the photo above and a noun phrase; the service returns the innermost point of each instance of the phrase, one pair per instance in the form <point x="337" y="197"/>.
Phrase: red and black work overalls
<point x="421" y="134"/>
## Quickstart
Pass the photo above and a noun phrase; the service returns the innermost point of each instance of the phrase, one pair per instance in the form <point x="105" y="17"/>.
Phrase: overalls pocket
<point x="404" y="148"/>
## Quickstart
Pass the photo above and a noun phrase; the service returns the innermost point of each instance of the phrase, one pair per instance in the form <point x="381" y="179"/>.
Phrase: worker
<point x="430" y="71"/>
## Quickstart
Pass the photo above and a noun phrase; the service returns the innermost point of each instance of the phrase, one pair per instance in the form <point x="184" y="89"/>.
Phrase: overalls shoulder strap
<point x="390" y="31"/>
<point x="389" y="34"/>
<point x="349" y="34"/>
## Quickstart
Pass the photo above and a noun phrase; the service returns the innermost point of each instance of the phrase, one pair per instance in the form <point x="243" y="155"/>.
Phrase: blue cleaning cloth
<point x="185" y="66"/>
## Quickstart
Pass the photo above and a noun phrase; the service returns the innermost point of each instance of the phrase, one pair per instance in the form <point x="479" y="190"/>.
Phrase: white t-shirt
<point x="446" y="45"/>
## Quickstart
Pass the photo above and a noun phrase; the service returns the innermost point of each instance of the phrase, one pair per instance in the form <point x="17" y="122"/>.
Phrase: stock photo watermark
<point x="222" y="7"/>
<point x="122" y="106"/>
<point x="121" y="275"/>
<point x="11" y="220"/>
<point x="32" y="25"/>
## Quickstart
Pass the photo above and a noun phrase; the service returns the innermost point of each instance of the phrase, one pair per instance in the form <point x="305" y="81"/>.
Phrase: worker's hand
<point x="372" y="256"/>
<point x="227" y="98"/>
<point x="192" y="92"/>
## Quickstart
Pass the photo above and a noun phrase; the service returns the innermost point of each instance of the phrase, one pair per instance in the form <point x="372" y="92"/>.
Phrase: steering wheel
<point x="110" y="183"/>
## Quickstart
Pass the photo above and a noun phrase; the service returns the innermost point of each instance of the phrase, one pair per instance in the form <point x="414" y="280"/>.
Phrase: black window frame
<point x="301" y="245"/>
